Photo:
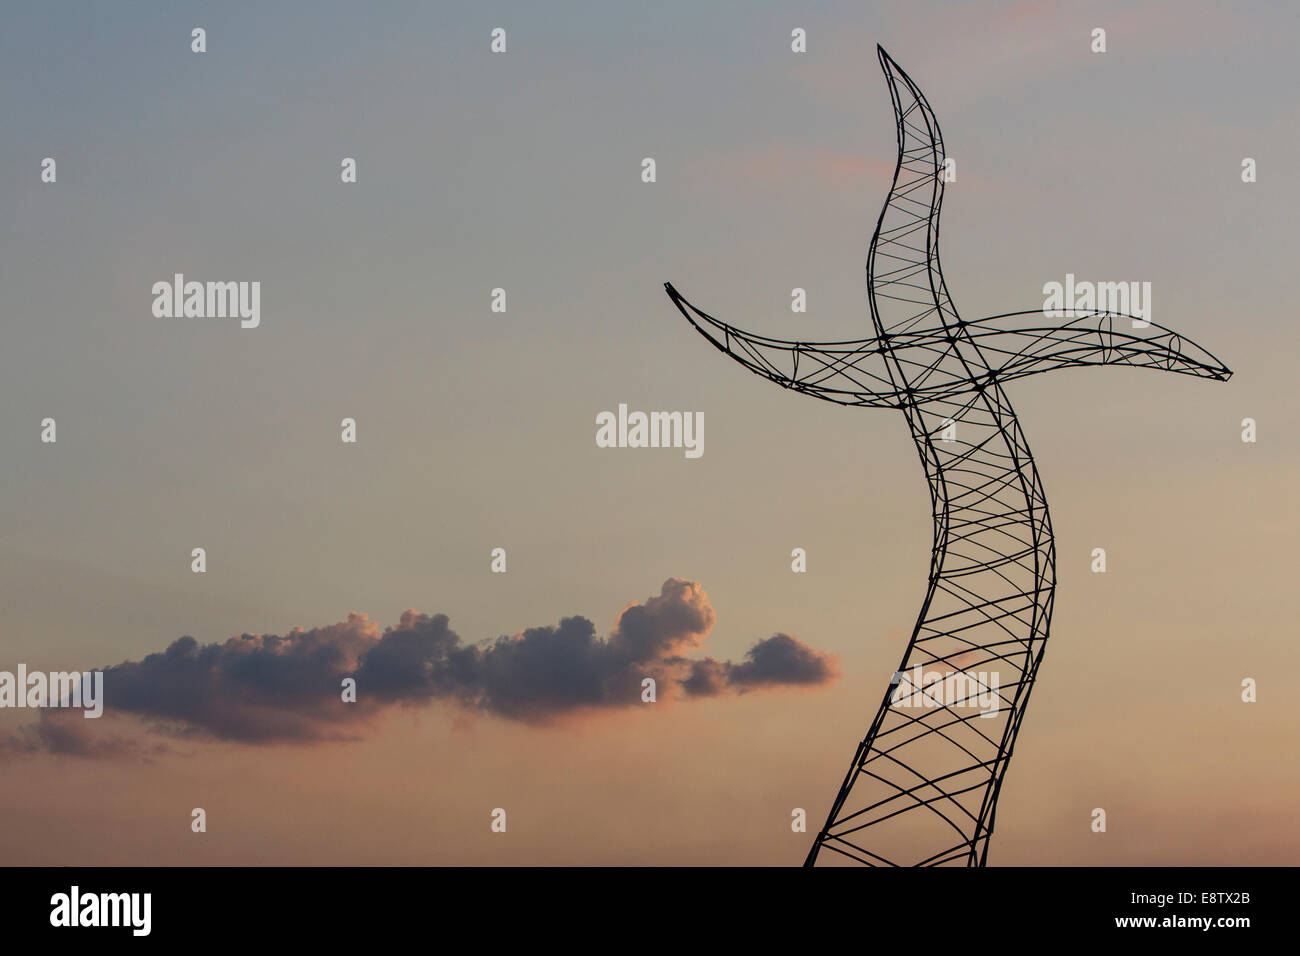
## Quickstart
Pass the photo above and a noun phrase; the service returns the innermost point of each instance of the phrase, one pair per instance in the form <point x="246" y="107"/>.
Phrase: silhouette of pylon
<point x="924" y="782"/>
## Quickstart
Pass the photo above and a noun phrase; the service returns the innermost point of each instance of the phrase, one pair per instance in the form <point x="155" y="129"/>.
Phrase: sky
<point x="476" y="429"/>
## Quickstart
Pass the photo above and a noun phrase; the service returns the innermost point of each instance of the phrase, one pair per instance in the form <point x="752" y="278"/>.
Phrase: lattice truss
<point x="922" y="787"/>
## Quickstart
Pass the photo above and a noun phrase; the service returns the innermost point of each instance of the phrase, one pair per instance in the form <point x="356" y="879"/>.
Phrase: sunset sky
<point x="476" y="430"/>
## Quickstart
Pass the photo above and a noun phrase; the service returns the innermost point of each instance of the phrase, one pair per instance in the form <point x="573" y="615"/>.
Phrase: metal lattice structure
<point x="926" y="777"/>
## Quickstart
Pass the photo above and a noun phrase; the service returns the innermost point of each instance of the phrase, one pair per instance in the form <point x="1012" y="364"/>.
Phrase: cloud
<point x="264" y="688"/>
<point x="68" y="732"/>
<point x="779" y="661"/>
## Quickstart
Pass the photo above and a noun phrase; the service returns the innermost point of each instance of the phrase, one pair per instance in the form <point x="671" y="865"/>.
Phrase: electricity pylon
<point x="927" y="774"/>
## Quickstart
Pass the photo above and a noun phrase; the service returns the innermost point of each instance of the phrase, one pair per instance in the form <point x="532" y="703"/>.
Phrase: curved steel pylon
<point x="924" y="782"/>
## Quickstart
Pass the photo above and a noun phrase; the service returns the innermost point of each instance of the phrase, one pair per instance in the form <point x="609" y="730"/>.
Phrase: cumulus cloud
<point x="67" y="732"/>
<point x="781" y="660"/>
<point x="262" y="688"/>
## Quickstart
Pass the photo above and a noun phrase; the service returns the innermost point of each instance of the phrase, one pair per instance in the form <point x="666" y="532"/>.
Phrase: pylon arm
<point x="833" y="371"/>
<point x="1091" y="338"/>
